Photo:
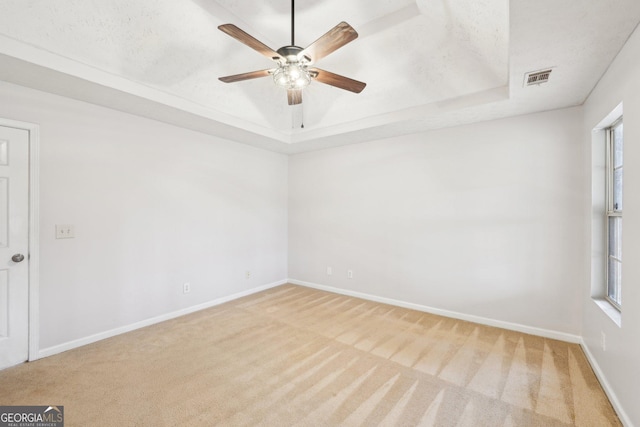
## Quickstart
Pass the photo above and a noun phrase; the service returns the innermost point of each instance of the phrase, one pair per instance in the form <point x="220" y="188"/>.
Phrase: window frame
<point x="610" y="211"/>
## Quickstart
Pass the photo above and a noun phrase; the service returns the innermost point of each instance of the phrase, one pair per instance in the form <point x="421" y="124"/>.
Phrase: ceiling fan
<point x="294" y="68"/>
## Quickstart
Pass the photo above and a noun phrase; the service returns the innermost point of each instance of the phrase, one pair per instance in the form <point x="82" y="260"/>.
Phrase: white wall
<point x="153" y="206"/>
<point x="485" y="220"/>
<point x="619" y="365"/>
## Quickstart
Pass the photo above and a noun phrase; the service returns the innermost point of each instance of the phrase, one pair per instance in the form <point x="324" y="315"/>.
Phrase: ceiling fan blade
<point x="331" y="41"/>
<point x="249" y="40"/>
<point x="294" y="96"/>
<point x="245" y="76"/>
<point x="337" y="80"/>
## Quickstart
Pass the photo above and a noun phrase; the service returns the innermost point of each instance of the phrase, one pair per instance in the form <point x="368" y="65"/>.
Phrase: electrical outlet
<point x="603" y="340"/>
<point x="65" y="231"/>
<point x="350" y="274"/>
<point x="247" y="274"/>
<point x="329" y="271"/>
<point x="186" y="288"/>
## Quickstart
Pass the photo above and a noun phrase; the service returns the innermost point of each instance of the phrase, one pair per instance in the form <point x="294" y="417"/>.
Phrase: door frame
<point x="34" y="232"/>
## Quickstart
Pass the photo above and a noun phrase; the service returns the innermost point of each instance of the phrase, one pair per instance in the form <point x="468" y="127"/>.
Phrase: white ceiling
<point x="427" y="63"/>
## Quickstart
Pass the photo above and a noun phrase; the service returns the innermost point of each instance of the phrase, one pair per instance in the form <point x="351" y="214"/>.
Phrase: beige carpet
<point x="298" y="356"/>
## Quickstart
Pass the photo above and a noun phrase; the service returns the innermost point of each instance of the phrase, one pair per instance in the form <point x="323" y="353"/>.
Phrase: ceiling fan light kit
<point x="293" y="71"/>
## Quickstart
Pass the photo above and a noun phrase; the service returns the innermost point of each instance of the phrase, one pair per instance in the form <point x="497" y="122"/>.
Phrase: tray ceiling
<point x="427" y="63"/>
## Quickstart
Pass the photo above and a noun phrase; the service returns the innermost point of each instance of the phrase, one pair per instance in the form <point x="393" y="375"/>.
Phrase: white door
<point x="14" y="246"/>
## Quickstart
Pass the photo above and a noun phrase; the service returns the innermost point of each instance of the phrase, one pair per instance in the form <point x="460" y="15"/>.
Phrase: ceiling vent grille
<point x="537" y="77"/>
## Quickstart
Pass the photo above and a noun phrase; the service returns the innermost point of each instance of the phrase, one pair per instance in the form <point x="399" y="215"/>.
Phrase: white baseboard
<point x="50" y="351"/>
<point x="477" y="319"/>
<point x="546" y="333"/>
<point x="624" y="418"/>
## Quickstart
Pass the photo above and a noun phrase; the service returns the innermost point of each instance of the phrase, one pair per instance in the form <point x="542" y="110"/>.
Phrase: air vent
<point x="537" y="77"/>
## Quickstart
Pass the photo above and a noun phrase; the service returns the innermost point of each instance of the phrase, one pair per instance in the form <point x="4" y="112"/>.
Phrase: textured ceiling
<point x="427" y="63"/>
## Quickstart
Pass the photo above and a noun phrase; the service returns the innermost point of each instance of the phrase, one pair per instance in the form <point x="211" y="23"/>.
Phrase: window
<point x="614" y="166"/>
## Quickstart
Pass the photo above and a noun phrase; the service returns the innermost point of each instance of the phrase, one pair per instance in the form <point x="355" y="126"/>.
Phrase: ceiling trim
<point x="67" y="77"/>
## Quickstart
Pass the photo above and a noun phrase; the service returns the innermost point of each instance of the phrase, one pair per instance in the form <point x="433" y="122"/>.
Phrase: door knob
<point x="17" y="258"/>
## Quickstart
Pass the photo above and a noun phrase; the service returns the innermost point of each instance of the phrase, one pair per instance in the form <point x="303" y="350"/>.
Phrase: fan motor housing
<point x="288" y="51"/>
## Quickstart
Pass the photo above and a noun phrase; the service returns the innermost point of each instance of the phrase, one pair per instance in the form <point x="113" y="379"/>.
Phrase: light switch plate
<point x="65" y="231"/>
